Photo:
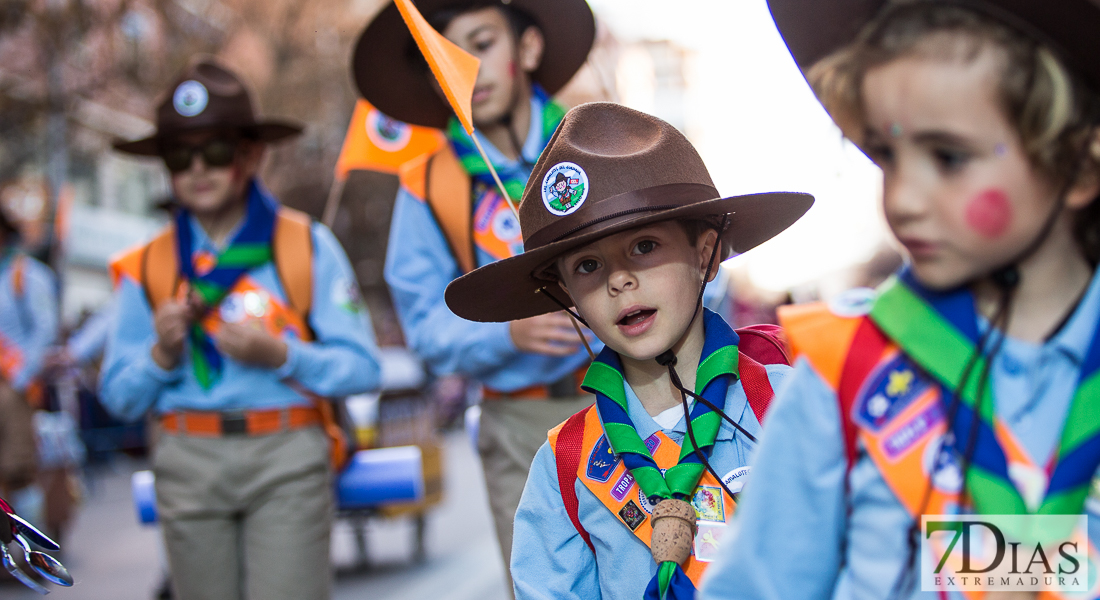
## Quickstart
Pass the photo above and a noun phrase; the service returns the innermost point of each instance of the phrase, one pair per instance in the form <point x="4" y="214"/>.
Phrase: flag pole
<point x="332" y="203"/>
<point x="496" y="178"/>
<point x="580" y="334"/>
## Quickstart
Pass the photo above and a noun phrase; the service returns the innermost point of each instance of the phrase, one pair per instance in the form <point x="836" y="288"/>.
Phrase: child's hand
<point x="171" y="322"/>
<point x="251" y="345"/>
<point x="551" y="334"/>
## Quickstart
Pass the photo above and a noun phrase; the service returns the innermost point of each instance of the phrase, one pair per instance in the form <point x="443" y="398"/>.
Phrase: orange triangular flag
<point x="454" y="68"/>
<point x="375" y="142"/>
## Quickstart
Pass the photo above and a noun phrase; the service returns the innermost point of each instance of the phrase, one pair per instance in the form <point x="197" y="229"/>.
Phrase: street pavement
<point x="112" y="557"/>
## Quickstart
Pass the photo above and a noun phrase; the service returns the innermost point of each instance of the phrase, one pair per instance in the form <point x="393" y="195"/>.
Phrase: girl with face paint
<point x="958" y="386"/>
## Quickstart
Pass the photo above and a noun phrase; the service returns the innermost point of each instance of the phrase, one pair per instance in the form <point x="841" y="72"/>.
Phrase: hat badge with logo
<point x="207" y="96"/>
<point x="564" y="188"/>
<point x="190" y="98"/>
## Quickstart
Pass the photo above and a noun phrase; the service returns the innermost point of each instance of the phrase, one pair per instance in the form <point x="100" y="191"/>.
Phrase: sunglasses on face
<point x="215" y="153"/>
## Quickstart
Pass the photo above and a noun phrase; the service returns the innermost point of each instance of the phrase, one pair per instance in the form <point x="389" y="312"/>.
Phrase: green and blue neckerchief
<point x="514" y="180"/>
<point x="716" y="373"/>
<point x="249" y="248"/>
<point x="939" y="330"/>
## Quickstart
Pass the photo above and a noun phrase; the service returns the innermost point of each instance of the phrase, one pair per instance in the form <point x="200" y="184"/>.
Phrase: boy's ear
<point x="531" y="46"/>
<point x="1087" y="186"/>
<point x="705" y="246"/>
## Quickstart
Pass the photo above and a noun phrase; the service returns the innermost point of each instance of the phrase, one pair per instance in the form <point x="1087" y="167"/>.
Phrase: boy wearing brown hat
<point x="631" y="497"/>
<point x="449" y="216"/>
<point x="232" y="325"/>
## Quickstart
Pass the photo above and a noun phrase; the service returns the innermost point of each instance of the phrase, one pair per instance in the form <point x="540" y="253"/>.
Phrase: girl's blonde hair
<point x="1053" y="111"/>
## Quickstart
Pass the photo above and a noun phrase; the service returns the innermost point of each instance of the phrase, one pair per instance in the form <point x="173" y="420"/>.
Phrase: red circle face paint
<point x="989" y="213"/>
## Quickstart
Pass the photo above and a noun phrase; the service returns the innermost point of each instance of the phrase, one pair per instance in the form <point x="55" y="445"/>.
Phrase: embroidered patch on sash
<point x="652" y="442"/>
<point x="892" y="386"/>
<point x="946" y="466"/>
<point x="345" y="294"/>
<point x="388" y="134"/>
<point x="602" y="461"/>
<point x="709" y="504"/>
<point x="707" y="541"/>
<point x="632" y="515"/>
<point x="622" y="486"/>
<point x="735" y="479"/>
<point x="564" y="188"/>
<point x="907" y="436"/>
<point x="853" y="303"/>
<point x="644" y="502"/>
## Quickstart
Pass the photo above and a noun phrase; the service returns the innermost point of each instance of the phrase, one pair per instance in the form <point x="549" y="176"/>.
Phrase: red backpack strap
<point x="765" y="343"/>
<point x="760" y="345"/>
<point x="754" y="378"/>
<point x="864" y="353"/>
<point x="567" y="455"/>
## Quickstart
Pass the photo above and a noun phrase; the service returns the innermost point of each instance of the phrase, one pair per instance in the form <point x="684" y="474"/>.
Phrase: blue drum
<point x="372" y="478"/>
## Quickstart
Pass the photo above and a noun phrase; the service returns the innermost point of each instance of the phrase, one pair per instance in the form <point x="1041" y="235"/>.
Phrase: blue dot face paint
<point x="895" y="130"/>
<point x="1000" y="149"/>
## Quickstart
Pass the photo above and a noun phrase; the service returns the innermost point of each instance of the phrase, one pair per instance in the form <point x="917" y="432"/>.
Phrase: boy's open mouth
<point x="636" y="316"/>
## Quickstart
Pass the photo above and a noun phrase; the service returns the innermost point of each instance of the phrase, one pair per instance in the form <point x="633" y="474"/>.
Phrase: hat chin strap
<point x="668" y="359"/>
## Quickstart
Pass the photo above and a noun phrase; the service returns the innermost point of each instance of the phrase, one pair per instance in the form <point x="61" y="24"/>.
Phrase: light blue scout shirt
<point x="550" y="559"/>
<point x="419" y="265"/>
<point x="28" y="318"/>
<point x="792" y="523"/>
<point x="342" y="360"/>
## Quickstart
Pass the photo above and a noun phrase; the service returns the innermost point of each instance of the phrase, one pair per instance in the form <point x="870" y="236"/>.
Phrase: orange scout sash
<point x="899" y="420"/>
<point x="606" y="476"/>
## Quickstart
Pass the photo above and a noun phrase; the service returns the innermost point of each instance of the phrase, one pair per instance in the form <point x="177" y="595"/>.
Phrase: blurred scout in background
<point x="968" y="382"/>
<point x="232" y="327"/>
<point x="450" y="217"/>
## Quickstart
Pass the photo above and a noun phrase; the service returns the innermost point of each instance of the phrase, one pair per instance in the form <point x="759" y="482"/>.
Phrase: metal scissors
<point x="14" y="527"/>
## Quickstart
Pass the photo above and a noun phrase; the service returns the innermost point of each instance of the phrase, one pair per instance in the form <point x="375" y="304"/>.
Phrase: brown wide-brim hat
<point x="208" y="96"/>
<point x="814" y="29"/>
<point x="386" y="70"/>
<point x="624" y="169"/>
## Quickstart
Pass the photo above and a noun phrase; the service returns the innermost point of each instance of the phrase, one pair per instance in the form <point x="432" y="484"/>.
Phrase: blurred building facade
<point x="78" y="74"/>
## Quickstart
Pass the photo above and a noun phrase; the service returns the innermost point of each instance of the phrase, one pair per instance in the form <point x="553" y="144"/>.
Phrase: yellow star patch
<point x="899" y="384"/>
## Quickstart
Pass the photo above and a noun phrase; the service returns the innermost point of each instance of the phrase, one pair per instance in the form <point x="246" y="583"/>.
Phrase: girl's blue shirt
<point x="794" y="519"/>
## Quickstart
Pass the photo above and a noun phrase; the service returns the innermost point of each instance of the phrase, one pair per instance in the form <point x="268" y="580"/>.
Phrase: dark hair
<point x="519" y="20"/>
<point x="696" y="228"/>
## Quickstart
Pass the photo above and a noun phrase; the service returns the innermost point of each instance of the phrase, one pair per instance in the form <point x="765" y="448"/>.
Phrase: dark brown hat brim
<point x="813" y="29"/>
<point x="401" y="89"/>
<point x="509" y="289"/>
<point x="264" y="131"/>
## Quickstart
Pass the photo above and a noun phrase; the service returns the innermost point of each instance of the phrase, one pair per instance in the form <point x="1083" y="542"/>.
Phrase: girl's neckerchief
<point x="514" y="179"/>
<point x="716" y="373"/>
<point x="249" y="248"/>
<point x="939" y="330"/>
